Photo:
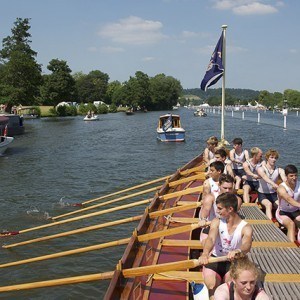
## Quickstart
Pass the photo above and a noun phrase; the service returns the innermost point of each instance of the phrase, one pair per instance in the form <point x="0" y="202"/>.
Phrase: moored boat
<point x="169" y="129"/>
<point x="15" y="124"/>
<point x="5" y="142"/>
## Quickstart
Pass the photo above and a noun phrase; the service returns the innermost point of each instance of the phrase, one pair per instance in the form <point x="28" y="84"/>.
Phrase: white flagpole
<point x="224" y="27"/>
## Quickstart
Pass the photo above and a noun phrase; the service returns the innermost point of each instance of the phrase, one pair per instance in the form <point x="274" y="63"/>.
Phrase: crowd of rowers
<point x="228" y="234"/>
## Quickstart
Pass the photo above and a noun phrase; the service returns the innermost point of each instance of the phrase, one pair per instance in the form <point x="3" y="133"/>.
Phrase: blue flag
<point x="215" y="67"/>
<point x="168" y="123"/>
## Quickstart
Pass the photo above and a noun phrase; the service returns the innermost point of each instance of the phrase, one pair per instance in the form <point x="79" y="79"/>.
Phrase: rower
<point x="269" y="174"/>
<point x="238" y="156"/>
<point x="250" y="167"/>
<point x="288" y="211"/>
<point x="228" y="235"/>
<point x="209" y="209"/>
<point x="244" y="284"/>
<point x="211" y="184"/>
<point x="209" y="151"/>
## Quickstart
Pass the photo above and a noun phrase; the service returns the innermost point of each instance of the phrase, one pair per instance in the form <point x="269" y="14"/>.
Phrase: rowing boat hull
<point x="153" y="251"/>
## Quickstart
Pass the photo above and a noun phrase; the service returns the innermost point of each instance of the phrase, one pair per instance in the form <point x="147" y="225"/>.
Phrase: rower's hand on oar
<point x="202" y="223"/>
<point x="232" y="254"/>
<point x="203" y="259"/>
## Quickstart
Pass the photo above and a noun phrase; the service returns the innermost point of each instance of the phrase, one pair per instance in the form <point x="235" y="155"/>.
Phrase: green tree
<point x="20" y="74"/>
<point x="92" y="87"/>
<point x="164" y="91"/>
<point x="292" y="97"/>
<point x="111" y="90"/>
<point x="58" y="86"/>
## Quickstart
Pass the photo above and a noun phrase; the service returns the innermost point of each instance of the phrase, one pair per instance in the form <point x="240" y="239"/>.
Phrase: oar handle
<point x="173" y="266"/>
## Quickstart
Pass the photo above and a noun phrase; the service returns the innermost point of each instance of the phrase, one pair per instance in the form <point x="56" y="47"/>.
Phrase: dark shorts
<point x="292" y="215"/>
<point x="239" y="172"/>
<point x="206" y="230"/>
<point x="221" y="268"/>
<point x="253" y="185"/>
<point x="271" y="197"/>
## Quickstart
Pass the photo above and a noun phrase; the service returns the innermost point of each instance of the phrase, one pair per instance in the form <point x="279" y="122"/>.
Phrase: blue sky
<point x="174" y="37"/>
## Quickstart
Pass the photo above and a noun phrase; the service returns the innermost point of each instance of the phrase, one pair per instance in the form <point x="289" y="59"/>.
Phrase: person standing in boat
<point x="209" y="151"/>
<point x="270" y="174"/>
<point x="244" y="282"/>
<point x="238" y="156"/>
<point x="211" y="184"/>
<point x="288" y="211"/>
<point x="250" y="167"/>
<point x="228" y="236"/>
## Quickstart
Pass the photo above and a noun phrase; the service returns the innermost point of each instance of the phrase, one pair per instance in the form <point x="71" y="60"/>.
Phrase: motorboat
<point x="169" y="129"/>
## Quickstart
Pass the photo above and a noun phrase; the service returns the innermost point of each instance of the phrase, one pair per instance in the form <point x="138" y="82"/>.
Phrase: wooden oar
<point x="85" y="216"/>
<point x="76" y="231"/>
<point x="199" y="168"/>
<point x="127" y="273"/>
<point x="155" y="214"/>
<point x="127" y="190"/>
<point x="188" y="191"/>
<point x="171" y="184"/>
<point x="107" y="202"/>
<point x="200" y="176"/>
<point x="140" y="238"/>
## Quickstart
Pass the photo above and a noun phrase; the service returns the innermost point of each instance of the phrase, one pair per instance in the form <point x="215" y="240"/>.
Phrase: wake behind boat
<point x="169" y="129"/>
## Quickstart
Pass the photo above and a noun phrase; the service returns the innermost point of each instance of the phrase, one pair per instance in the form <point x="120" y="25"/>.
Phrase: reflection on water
<point x="59" y="163"/>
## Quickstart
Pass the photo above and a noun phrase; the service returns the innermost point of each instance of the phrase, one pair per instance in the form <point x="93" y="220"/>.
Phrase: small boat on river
<point x="91" y="118"/>
<point x="169" y="129"/>
<point x="200" y="113"/>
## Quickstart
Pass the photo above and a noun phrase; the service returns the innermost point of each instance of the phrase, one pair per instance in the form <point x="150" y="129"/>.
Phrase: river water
<point x="62" y="161"/>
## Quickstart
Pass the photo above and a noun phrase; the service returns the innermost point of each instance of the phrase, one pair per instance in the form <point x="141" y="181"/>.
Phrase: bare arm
<point x="282" y="175"/>
<point x="229" y="170"/>
<point x="222" y="292"/>
<point x="247" y="233"/>
<point x="282" y="193"/>
<point x="262" y="174"/>
<point x="248" y="171"/>
<point x="207" y="204"/>
<point x="231" y="155"/>
<point x="206" y="188"/>
<point x="247" y="157"/>
<point x="210" y="241"/>
<point x="206" y="156"/>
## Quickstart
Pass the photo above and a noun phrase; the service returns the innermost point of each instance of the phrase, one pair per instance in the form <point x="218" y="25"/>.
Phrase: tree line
<point x="22" y="81"/>
<point x="243" y="97"/>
